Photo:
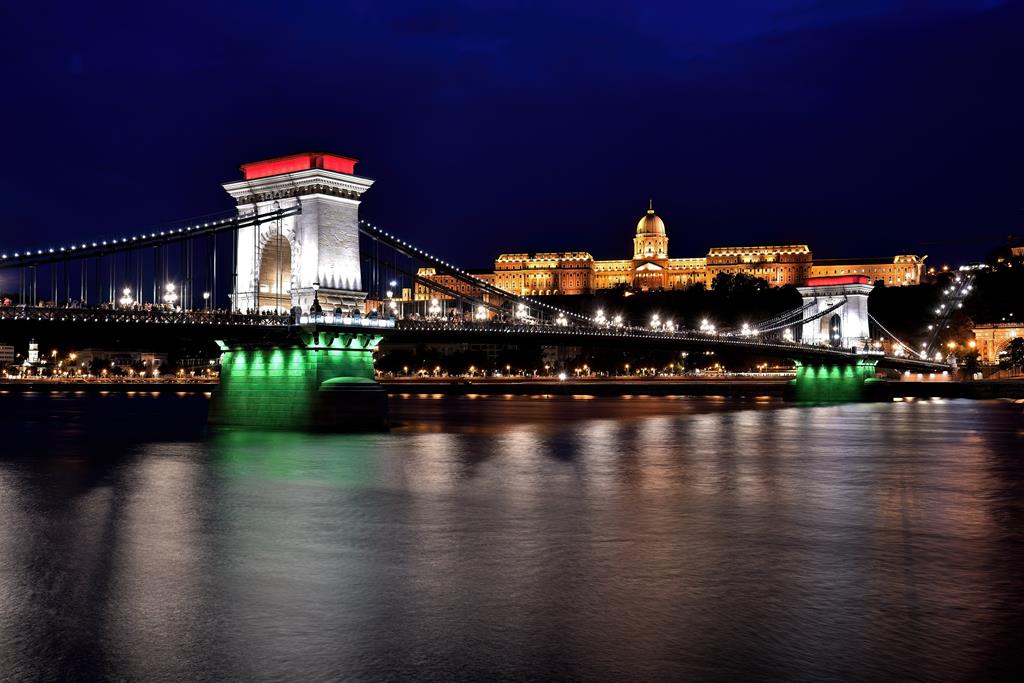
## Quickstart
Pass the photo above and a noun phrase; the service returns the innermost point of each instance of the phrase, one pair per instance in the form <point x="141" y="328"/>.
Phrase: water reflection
<point x="516" y="538"/>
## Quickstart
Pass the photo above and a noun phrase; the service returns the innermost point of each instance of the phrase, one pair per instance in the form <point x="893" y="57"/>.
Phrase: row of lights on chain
<point x="123" y="240"/>
<point x="463" y="272"/>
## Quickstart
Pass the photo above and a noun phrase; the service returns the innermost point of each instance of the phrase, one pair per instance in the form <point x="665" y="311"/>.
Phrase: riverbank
<point x="94" y="386"/>
<point x="731" y="388"/>
<point x="737" y="388"/>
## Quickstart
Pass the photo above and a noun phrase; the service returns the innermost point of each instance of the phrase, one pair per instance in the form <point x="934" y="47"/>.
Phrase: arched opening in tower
<point x="835" y="326"/>
<point x="275" y="292"/>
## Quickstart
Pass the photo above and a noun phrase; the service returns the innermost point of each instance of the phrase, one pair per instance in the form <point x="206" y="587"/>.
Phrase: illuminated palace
<point x="650" y="268"/>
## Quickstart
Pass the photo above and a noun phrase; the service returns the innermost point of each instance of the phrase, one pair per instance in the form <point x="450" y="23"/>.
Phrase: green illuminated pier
<point x="832" y="383"/>
<point x="317" y="379"/>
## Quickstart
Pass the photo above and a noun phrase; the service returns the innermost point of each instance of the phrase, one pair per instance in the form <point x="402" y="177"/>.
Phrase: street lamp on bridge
<point x="315" y="310"/>
<point x="435" y="308"/>
<point x="170" y="296"/>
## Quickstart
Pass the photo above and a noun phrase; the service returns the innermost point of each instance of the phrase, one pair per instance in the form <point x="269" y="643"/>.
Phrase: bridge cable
<point x="459" y="274"/>
<point x="818" y="315"/>
<point x="896" y="339"/>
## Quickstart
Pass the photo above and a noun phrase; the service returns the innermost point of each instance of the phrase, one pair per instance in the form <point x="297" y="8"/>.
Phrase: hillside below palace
<point x="650" y="268"/>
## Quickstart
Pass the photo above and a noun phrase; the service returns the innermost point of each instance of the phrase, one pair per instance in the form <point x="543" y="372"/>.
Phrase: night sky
<point x="860" y="127"/>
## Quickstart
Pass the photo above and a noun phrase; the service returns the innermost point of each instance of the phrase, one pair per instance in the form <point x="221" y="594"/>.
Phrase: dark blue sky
<point x="861" y="127"/>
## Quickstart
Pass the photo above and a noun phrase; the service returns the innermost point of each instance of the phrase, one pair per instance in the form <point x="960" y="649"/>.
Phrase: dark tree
<point x="1014" y="356"/>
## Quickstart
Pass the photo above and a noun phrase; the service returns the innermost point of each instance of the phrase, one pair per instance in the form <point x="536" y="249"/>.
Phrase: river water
<point x="513" y="538"/>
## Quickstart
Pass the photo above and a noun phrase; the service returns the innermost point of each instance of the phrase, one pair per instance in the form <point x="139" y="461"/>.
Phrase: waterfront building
<point x="651" y="268"/>
<point x="122" y="359"/>
<point x="6" y="355"/>
<point x="993" y="338"/>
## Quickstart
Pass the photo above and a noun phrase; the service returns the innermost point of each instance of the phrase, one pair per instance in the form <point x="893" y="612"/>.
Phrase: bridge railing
<point x="141" y="315"/>
<point x="626" y="331"/>
<point x="159" y="315"/>
<point x="346" y="320"/>
<point x="167" y="316"/>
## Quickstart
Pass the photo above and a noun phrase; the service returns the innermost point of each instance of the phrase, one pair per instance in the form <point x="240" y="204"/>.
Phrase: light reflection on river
<point x="510" y="538"/>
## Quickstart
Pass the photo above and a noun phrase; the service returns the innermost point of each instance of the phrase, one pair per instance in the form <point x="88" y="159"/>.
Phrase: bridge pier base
<point x="318" y="380"/>
<point x="832" y="382"/>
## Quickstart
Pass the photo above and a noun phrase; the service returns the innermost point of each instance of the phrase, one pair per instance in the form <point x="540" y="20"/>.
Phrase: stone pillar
<point x="323" y="237"/>
<point x="824" y="293"/>
<point x="832" y="383"/>
<point x="314" y="380"/>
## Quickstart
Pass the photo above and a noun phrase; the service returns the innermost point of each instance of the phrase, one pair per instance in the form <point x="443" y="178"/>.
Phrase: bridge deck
<point x="105" y="324"/>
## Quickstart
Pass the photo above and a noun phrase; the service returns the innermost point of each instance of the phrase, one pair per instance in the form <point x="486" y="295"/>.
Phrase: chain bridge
<point x="297" y="290"/>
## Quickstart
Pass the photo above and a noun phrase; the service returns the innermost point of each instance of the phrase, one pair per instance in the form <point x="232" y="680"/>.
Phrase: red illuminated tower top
<point x="836" y="280"/>
<point x="299" y="162"/>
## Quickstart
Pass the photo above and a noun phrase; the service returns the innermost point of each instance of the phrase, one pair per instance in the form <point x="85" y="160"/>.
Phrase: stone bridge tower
<point x="279" y="262"/>
<point x="848" y="325"/>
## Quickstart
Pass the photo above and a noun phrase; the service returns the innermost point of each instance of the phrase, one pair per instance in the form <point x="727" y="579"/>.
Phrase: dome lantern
<point x="650" y="223"/>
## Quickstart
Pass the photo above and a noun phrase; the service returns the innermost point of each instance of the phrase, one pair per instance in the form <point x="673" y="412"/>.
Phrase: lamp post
<point x="170" y="296"/>
<point x="396" y="307"/>
<point x="392" y="306"/>
<point x="206" y="300"/>
<point x="315" y="310"/>
<point x="126" y="299"/>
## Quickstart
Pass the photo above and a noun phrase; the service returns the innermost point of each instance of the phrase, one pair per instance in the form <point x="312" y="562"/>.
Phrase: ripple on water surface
<point x="513" y="537"/>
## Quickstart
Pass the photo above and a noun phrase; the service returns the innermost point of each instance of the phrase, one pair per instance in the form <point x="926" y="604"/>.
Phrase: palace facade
<point x="651" y="268"/>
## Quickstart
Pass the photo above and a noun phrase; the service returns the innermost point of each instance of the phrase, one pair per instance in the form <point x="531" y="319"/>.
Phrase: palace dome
<point x="650" y="223"/>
